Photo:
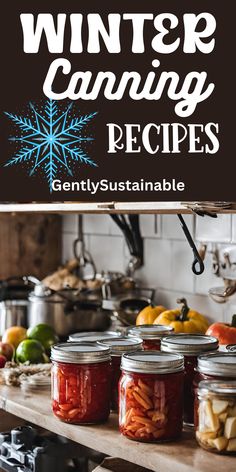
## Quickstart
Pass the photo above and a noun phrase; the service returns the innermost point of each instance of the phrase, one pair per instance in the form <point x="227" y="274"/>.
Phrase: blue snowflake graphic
<point x="51" y="140"/>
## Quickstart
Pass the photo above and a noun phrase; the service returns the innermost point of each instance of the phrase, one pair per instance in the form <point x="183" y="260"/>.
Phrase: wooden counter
<point x="182" y="456"/>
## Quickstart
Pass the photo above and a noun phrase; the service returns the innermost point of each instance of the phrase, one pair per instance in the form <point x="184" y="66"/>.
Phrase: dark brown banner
<point x="124" y="101"/>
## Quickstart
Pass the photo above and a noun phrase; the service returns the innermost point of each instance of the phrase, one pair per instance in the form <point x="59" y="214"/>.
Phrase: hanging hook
<point x="197" y="258"/>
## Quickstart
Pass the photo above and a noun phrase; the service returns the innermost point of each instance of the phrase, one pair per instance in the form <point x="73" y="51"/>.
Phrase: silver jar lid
<point x="189" y="344"/>
<point x="217" y="387"/>
<point x="80" y="353"/>
<point x="152" y="362"/>
<point x="219" y="364"/>
<point x="122" y="345"/>
<point x="93" y="336"/>
<point x="149" y="332"/>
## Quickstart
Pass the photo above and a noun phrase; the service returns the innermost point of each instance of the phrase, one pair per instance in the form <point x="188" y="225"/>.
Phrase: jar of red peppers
<point x="119" y="347"/>
<point x="190" y="346"/>
<point x="151" y="335"/>
<point x="216" y="416"/>
<point x="81" y="382"/>
<point x="151" y="396"/>
<point x="93" y="336"/>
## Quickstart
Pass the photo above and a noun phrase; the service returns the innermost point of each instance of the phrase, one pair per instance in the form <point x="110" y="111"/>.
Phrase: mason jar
<point x="81" y="382"/>
<point x="93" y="336"/>
<point x="216" y="416"/>
<point x="119" y="347"/>
<point x="151" y="335"/>
<point x="214" y="366"/>
<point x="190" y="346"/>
<point x="151" y="396"/>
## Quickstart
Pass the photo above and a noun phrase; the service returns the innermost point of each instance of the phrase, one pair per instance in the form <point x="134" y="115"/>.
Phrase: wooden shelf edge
<point x="100" y="207"/>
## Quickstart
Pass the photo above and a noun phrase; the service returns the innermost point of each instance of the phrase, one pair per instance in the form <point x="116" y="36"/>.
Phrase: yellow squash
<point x="183" y="320"/>
<point x="149" y="314"/>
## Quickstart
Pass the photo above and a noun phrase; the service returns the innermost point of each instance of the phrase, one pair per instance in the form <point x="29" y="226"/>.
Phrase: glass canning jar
<point x="119" y="347"/>
<point x="93" y="336"/>
<point x="151" y="396"/>
<point x="216" y="416"/>
<point x="214" y="366"/>
<point x="151" y="335"/>
<point x="81" y="382"/>
<point x="190" y="346"/>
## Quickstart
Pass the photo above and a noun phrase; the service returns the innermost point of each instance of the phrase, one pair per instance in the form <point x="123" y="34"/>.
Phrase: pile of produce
<point x="65" y="277"/>
<point x="31" y="346"/>
<point x="183" y="320"/>
<point x="187" y="320"/>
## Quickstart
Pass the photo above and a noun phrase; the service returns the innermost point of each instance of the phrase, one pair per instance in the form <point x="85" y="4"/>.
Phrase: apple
<point x="7" y="350"/>
<point x="3" y="361"/>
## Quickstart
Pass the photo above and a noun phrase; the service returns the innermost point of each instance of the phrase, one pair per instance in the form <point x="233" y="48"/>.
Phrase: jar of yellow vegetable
<point x="215" y="416"/>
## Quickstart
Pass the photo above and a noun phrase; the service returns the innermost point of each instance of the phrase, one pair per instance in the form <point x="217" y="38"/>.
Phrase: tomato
<point x="225" y="333"/>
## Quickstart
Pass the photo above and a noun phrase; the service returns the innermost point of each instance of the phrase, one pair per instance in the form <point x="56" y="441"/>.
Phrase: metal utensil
<point x="221" y="294"/>
<point x="131" y="231"/>
<point x="197" y="258"/>
<point x="86" y="266"/>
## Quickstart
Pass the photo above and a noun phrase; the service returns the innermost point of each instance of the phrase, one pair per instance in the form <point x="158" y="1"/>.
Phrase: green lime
<point x="30" y="350"/>
<point x="41" y="330"/>
<point x="43" y="333"/>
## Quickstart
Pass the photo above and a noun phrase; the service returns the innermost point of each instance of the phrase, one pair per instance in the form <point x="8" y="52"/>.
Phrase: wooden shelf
<point x="181" y="456"/>
<point x="100" y="207"/>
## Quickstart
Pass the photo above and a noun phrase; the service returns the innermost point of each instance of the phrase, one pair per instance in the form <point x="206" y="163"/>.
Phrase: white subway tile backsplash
<point x="114" y="229"/>
<point x="67" y="246"/>
<point x="70" y="224"/>
<point x="107" y="252"/>
<point x="150" y="226"/>
<point x="207" y="279"/>
<point x="213" y="229"/>
<point x="157" y="263"/>
<point x="96" y="224"/>
<point x="181" y="263"/>
<point x="171" y="228"/>
<point x="233" y="228"/>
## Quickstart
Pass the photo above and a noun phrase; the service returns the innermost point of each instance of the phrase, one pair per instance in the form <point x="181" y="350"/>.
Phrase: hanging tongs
<point x="197" y="258"/>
